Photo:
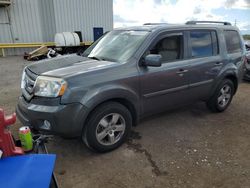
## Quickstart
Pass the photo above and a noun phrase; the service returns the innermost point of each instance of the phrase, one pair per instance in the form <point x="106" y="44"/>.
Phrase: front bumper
<point x="64" y="120"/>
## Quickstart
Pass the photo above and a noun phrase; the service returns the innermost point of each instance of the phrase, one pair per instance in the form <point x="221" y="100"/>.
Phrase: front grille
<point x="29" y="82"/>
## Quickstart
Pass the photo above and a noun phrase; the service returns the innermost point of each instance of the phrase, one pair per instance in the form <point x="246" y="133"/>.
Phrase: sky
<point x="138" y="12"/>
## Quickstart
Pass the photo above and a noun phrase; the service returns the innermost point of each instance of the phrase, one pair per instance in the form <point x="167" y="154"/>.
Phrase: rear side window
<point x="201" y="43"/>
<point x="232" y="41"/>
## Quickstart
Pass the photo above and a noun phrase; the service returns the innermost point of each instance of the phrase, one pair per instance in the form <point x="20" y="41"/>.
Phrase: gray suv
<point x="128" y="74"/>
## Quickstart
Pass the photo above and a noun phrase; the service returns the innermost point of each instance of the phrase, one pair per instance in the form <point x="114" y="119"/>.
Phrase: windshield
<point x="116" y="46"/>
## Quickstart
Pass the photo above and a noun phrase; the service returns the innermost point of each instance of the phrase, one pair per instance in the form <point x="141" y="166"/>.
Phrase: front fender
<point x="96" y="96"/>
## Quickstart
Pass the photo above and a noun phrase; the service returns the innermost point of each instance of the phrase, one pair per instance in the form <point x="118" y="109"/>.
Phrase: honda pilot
<point x="128" y="74"/>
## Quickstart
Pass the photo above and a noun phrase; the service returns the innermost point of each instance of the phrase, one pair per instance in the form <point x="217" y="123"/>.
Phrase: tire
<point x="222" y="96"/>
<point x="107" y="127"/>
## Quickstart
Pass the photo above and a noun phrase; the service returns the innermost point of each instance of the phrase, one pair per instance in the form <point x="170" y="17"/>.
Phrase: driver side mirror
<point x="152" y="60"/>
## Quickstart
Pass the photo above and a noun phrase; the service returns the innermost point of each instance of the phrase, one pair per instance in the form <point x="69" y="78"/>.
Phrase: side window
<point x="232" y="41"/>
<point x="201" y="43"/>
<point x="170" y="48"/>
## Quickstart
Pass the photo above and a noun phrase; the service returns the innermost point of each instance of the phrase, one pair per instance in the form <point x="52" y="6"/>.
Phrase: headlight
<point x="49" y="86"/>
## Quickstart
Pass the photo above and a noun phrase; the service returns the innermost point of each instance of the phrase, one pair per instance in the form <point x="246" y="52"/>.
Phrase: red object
<point x="7" y="144"/>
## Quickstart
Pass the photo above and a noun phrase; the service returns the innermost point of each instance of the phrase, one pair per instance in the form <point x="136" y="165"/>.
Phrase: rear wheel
<point x="107" y="127"/>
<point x="222" y="97"/>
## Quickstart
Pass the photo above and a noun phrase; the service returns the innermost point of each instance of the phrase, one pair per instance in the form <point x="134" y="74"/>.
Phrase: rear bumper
<point x="64" y="120"/>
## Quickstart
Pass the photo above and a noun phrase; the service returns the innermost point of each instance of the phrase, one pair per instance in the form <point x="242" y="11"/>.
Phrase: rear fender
<point x="231" y="72"/>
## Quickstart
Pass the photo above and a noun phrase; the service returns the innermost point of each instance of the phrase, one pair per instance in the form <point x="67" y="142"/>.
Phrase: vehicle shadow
<point x="197" y="109"/>
<point x="75" y="146"/>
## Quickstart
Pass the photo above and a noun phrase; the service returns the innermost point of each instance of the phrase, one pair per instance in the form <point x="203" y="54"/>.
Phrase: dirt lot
<point x="188" y="147"/>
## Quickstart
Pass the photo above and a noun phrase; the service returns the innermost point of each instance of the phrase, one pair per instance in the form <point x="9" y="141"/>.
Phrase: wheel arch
<point x="230" y="74"/>
<point x="234" y="79"/>
<point x="124" y="96"/>
<point x="125" y="102"/>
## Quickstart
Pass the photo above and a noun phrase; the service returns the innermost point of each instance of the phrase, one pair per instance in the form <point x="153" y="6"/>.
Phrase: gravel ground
<point x="188" y="147"/>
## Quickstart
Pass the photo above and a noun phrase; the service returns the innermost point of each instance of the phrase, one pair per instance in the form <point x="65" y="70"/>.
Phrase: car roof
<point x="166" y="26"/>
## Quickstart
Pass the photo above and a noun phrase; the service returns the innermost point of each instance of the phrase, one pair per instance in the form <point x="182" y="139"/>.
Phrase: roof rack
<point x="216" y="22"/>
<point x="154" y="23"/>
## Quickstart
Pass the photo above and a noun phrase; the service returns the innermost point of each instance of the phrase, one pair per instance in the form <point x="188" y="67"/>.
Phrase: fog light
<point x="46" y="125"/>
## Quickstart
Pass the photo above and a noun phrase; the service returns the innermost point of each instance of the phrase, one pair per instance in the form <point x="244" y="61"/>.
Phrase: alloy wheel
<point x="224" y="96"/>
<point x="110" y="129"/>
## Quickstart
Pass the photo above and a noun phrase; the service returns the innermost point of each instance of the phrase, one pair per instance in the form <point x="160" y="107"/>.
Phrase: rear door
<point x="205" y="61"/>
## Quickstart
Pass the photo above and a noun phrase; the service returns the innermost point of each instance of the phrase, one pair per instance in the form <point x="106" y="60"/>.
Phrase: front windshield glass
<point x="116" y="46"/>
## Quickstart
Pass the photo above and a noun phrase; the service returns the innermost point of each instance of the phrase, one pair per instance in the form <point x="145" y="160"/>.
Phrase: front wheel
<point x="107" y="127"/>
<point x="222" y="97"/>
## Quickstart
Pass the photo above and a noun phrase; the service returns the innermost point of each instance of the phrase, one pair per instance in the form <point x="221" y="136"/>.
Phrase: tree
<point x="246" y="37"/>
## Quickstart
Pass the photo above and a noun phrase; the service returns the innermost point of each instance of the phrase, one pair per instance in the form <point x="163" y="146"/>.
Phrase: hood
<point x="68" y="65"/>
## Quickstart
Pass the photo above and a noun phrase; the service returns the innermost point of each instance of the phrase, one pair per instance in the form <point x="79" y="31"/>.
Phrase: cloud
<point x="158" y="1"/>
<point x="237" y="4"/>
<point x="247" y="3"/>
<point x="122" y="22"/>
<point x="118" y="18"/>
<point x="244" y="26"/>
<point x="137" y="12"/>
<point x="197" y="10"/>
<point x="230" y="3"/>
<point x="143" y="11"/>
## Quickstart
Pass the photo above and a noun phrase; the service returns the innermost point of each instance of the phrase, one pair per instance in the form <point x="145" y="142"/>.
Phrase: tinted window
<point x="232" y="41"/>
<point x="201" y="43"/>
<point x="170" y="48"/>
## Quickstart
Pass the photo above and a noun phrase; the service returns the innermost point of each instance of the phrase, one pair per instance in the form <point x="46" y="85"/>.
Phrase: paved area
<point x="187" y="147"/>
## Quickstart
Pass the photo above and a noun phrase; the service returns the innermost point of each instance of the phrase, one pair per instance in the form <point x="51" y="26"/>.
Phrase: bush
<point x="246" y="37"/>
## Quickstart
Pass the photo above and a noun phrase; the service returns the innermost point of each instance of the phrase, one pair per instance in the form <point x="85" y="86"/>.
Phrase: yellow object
<point x="26" y="45"/>
<point x="32" y="45"/>
<point x="63" y="88"/>
<point x="3" y="53"/>
<point x="43" y="50"/>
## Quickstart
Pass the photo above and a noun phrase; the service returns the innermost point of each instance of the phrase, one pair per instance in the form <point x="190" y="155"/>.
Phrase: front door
<point x="166" y="86"/>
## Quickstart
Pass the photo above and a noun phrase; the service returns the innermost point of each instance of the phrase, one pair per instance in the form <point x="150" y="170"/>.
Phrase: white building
<point x="29" y="21"/>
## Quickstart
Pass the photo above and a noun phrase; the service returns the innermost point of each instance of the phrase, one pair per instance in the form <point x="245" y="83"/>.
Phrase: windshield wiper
<point x="102" y="59"/>
<point x="96" y="58"/>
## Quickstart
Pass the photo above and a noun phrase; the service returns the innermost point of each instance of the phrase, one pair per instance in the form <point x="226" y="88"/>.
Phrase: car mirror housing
<point x="152" y="60"/>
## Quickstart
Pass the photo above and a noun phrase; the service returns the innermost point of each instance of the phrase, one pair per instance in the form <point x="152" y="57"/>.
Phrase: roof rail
<point x="154" y="23"/>
<point x="216" y="22"/>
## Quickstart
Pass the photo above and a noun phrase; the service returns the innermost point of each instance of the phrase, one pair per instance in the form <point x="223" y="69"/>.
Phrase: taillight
<point x="246" y="61"/>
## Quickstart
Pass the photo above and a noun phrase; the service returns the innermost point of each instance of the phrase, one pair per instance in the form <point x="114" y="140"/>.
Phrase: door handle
<point x="181" y="71"/>
<point x="218" y="63"/>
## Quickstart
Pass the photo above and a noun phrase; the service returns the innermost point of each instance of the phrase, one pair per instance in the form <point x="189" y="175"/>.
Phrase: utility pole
<point x="235" y="22"/>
